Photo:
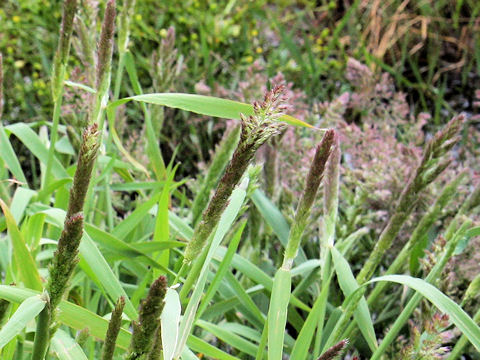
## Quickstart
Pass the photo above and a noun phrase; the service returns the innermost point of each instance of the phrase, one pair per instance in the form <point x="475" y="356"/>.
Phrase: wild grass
<point x="114" y="255"/>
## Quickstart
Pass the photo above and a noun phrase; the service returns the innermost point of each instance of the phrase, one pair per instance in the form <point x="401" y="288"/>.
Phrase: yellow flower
<point x="249" y="59"/>
<point x="254" y="32"/>
<point x="259" y="50"/>
<point x="163" y="33"/>
<point x="19" y="64"/>
<point x="16" y="18"/>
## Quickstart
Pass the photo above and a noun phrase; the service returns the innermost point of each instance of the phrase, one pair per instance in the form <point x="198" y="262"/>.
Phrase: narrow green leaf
<point x="275" y="219"/>
<point x="66" y="348"/>
<point x="456" y="314"/>
<point x="229" y="337"/>
<point x="10" y="158"/>
<point x="26" y="312"/>
<point x="226" y="220"/>
<point x="253" y="272"/>
<point x="222" y="270"/>
<point x="21" y="198"/>
<point x="26" y="265"/>
<point x="348" y="284"/>
<point x="32" y="141"/>
<point x="126" y="226"/>
<point x="205" y="105"/>
<point x="277" y="313"/>
<point x="99" y="266"/>
<point x="71" y="315"/>
<point x="205" y="348"/>
<point x="170" y="320"/>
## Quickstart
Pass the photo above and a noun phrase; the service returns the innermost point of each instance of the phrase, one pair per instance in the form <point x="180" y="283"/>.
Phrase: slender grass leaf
<point x="226" y="220"/>
<point x="277" y="313"/>
<point x="118" y="142"/>
<point x="170" y="320"/>
<point x="25" y="262"/>
<point x="456" y="314"/>
<point x="275" y="219"/>
<point x="153" y="149"/>
<point x="80" y="86"/>
<point x="21" y="198"/>
<point x="206" y="349"/>
<point x="348" y="284"/>
<point x="229" y="337"/>
<point x="105" y="275"/>
<point x="32" y="141"/>
<point x="71" y="315"/>
<point x="253" y="272"/>
<point x="205" y="105"/>
<point x="126" y="226"/>
<point x="180" y="226"/>
<point x="10" y="158"/>
<point x="26" y="312"/>
<point x="222" y="270"/>
<point x="66" y="348"/>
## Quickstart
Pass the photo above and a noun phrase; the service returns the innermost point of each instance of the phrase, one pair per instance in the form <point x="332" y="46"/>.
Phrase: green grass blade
<point x="71" y="315"/>
<point x="226" y="220"/>
<point x="205" y="348"/>
<point x="99" y="266"/>
<point x="25" y="262"/>
<point x="21" y="198"/>
<point x="170" y="320"/>
<point x="153" y="148"/>
<point x="229" y="337"/>
<point x="275" y="219"/>
<point x="126" y="226"/>
<point x="456" y="314"/>
<point x="32" y="141"/>
<point x="66" y="348"/>
<point x="277" y="313"/>
<point x="348" y="284"/>
<point x="26" y="312"/>
<point x="304" y="339"/>
<point x="10" y="158"/>
<point x="253" y="272"/>
<point x="205" y="105"/>
<point x="222" y="270"/>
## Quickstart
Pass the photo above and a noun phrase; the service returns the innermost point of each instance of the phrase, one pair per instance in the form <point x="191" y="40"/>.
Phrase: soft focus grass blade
<point x="229" y="337"/>
<point x="170" y="320"/>
<point x="206" y="349"/>
<point x="66" y="348"/>
<point x="94" y="258"/>
<point x="304" y="339"/>
<point x="277" y="313"/>
<point x="222" y="269"/>
<point x="32" y="141"/>
<point x="26" y="312"/>
<point x="8" y="155"/>
<point x="153" y="149"/>
<point x="126" y="226"/>
<point x="205" y="105"/>
<point x="21" y="199"/>
<point x="456" y="314"/>
<point x="70" y="314"/>
<point x="226" y="220"/>
<point x="257" y="275"/>
<point x="275" y="219"/>
<point x="348" y="284"/>
<point x="26" y="265"/>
